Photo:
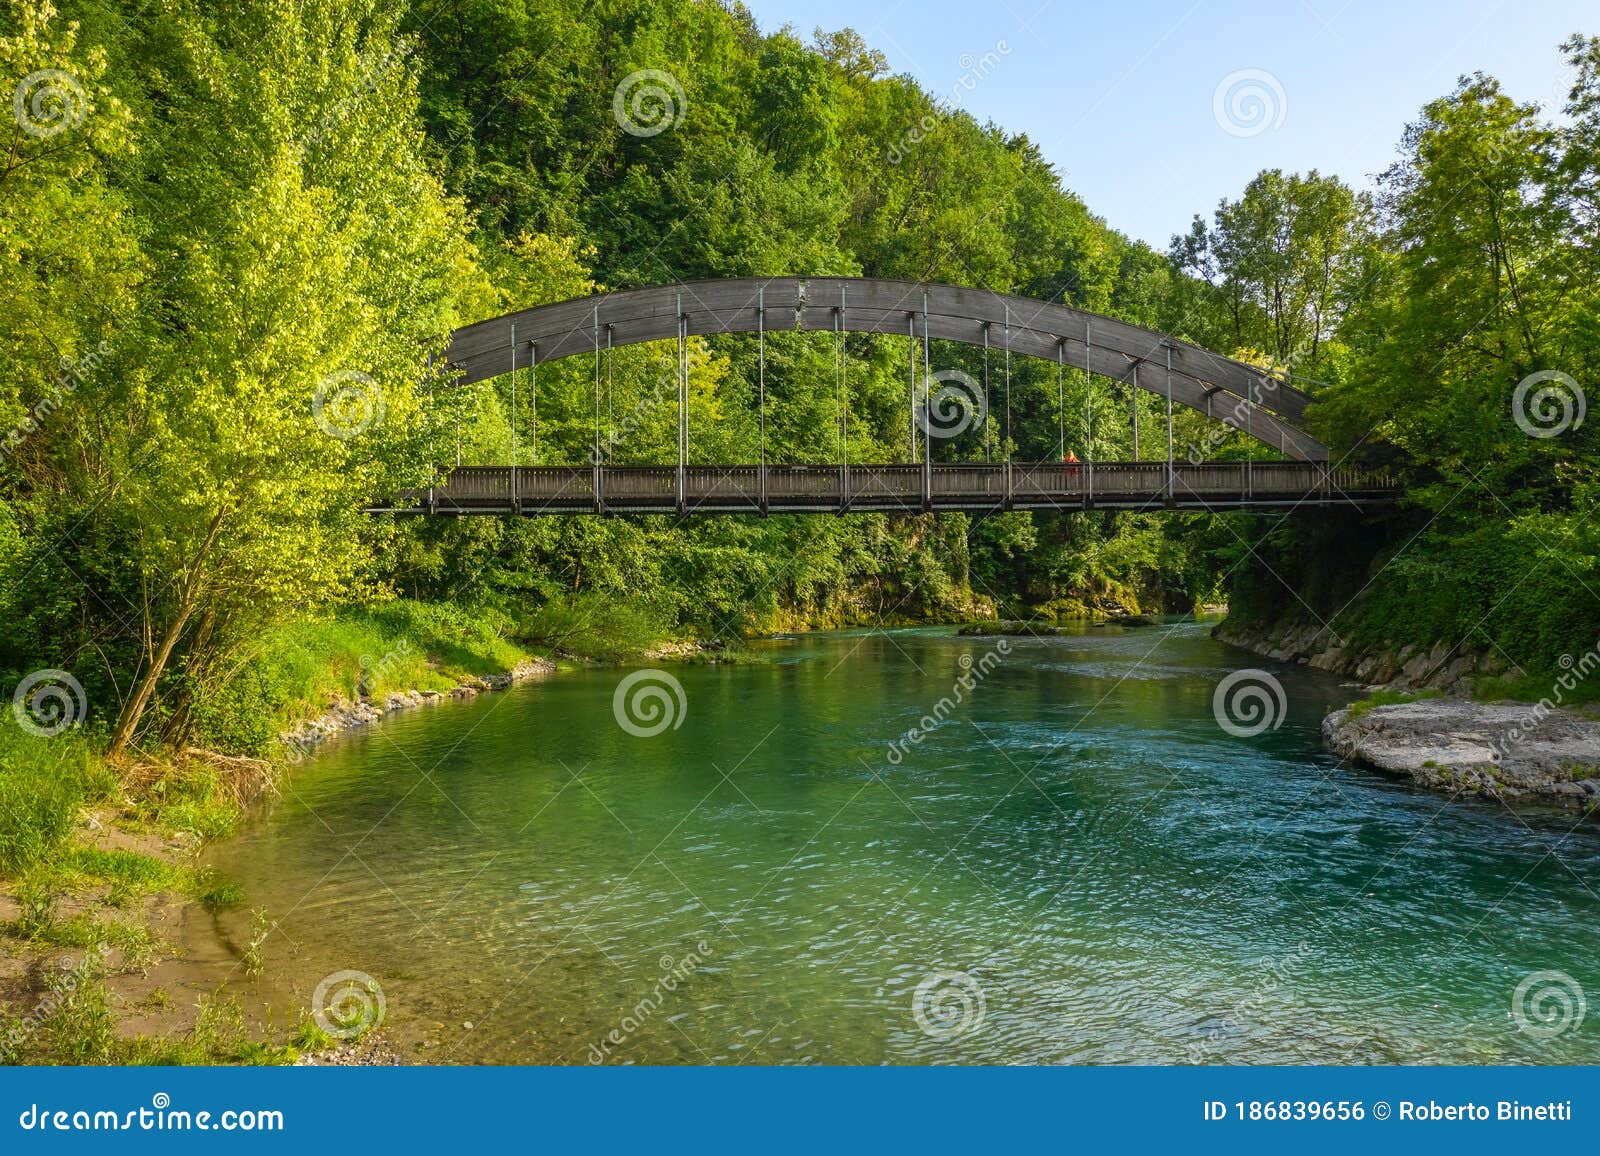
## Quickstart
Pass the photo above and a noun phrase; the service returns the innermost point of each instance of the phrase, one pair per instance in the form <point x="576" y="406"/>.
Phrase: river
<point x="1076" y="864"/>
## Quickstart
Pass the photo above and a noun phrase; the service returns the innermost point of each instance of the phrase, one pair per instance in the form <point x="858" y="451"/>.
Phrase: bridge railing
<point x="824" y="487"/>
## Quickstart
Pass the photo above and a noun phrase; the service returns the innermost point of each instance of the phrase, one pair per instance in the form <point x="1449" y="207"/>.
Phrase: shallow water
<point x="1076" y="865"/>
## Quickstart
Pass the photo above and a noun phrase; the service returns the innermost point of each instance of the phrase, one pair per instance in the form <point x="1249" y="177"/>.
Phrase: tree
<point x="305" y="266"/>
<point x="1282" y="261"/>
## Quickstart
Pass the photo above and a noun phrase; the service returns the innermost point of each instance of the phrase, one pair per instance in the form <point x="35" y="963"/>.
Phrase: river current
<point x="1074" y="863"/>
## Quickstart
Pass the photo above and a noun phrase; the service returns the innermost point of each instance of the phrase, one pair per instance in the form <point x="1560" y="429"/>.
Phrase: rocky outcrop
<point x="1507" y="750"/>
<point x="1452" y="669"/>
<point x="348" y="714"/>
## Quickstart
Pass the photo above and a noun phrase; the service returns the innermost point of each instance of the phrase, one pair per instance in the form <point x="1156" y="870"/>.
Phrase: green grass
<point x="191" y="799"/>
<point x="1534" y="687"/>
<point x="133" y="874"/>
<point x="1379" y="698"/>
<point x="359" y="651"/>
<point x="44" y="782"/>
<point x="77" y="1028"/>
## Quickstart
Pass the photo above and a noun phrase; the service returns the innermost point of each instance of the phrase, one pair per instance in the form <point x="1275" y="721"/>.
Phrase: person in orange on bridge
<point x="1070" y="460"/>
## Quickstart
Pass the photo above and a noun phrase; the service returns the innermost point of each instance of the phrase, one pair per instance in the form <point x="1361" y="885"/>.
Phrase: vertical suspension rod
<point x="513" y="415"/>
<point x="841" y="369"/>
<point x="927" y="412"/>
<point x="596" y="451"/>
<point x="986" y="428"/>
<point x="911" y="379"/>
<point x="761" y="393"/>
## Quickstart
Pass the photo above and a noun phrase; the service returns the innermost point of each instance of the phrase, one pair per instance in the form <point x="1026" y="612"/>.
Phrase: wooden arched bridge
<point x="1243" y="397"/>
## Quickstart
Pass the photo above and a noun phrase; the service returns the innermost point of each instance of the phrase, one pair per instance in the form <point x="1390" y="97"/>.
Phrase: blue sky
<point x="1121" y="95"/>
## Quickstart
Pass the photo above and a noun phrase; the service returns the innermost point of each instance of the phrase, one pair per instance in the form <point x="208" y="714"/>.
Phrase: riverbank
<point x="1447" y="717"/>
<point x="98" y="878"/>
<point x="346" y="714"/>
<point x="1455" y="670"/>
<point x="1508" y="751"/>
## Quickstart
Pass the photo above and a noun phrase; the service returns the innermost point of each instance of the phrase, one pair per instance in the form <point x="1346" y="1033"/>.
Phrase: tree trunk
<point x="133" y="711"/>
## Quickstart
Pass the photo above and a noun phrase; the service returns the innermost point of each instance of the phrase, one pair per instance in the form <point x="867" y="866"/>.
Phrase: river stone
<point x="1329" y="659"/>
<point x="1507" y="750"/>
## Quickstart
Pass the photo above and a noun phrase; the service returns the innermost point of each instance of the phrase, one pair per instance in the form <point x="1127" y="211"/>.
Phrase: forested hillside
<point x="239" y="233"/>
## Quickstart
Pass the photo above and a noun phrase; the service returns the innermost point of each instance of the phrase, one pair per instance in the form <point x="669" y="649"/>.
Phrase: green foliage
<point x="78" y="1029"/>
<point x="595" y="626"/>
<point x="43" y="784"/>
<point x="273" y="198"/>
<point x="1484" y="275"/>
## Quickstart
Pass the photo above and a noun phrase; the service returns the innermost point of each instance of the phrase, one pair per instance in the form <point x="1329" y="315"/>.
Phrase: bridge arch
<point x="1240" y="395"/>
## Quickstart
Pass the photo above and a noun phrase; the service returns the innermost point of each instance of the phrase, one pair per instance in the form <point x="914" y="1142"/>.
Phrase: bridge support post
<point x="927" y="413"/>
<point x="1133" y="399"/>
<point x="761" y="394"/>
<point x="1171" y="496"/>
<point x="683" y="401"/>
<point x="599" y="506"/>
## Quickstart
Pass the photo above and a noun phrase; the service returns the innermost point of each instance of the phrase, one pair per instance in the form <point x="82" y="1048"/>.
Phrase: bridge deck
<point x="840" y="489"/>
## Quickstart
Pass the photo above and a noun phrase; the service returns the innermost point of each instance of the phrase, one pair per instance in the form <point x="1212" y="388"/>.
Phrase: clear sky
<point x="1122" y="95"/>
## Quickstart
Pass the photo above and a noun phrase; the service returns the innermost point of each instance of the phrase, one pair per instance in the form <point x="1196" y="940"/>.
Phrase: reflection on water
<point x="1074" y="864"/>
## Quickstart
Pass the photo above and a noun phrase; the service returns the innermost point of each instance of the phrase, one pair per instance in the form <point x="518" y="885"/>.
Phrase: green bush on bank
<point x="43" y="784"/>
<point x="1521" y="588"/>
<point x="602" y="627"/>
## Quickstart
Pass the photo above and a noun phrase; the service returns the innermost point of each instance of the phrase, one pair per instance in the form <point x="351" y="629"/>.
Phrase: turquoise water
<point x="1077" y="864"/>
